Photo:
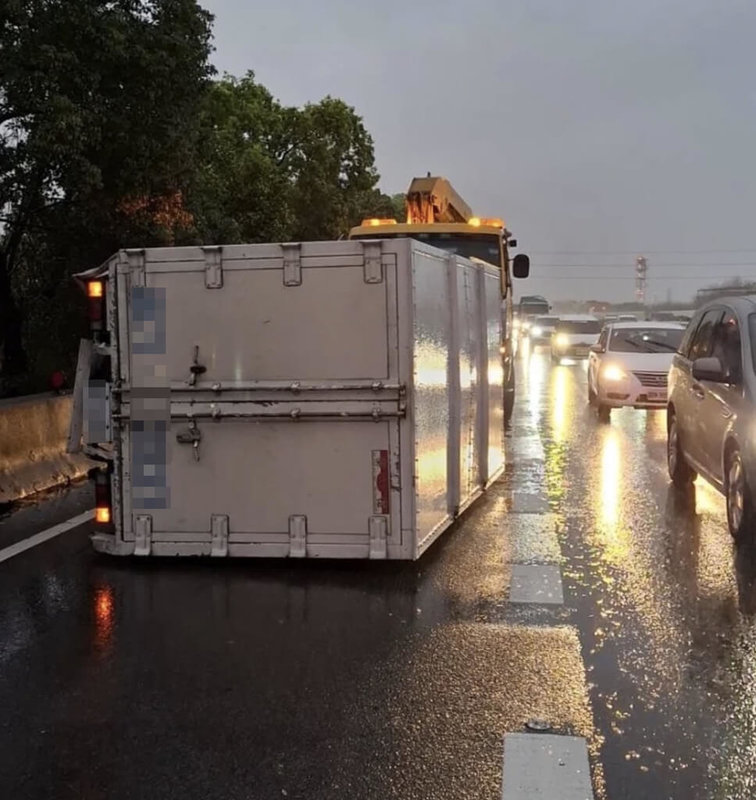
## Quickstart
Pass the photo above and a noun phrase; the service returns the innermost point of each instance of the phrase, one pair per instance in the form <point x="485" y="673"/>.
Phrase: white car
<point x="573" y="336"/>
<point x="543" y="329"/>
<point x="629" y="365"/>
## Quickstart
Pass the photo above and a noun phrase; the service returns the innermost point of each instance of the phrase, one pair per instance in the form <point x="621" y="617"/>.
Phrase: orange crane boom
<point x="433" y="199"/>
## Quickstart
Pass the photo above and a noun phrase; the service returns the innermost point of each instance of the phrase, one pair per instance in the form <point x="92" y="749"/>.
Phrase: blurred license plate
<point x="657" y="395"/>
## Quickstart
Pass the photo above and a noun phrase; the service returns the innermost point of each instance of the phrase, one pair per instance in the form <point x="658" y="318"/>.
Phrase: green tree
<point x="399" y="207"/>
<point x="331" y="165"/>
<point x="240" y="191"/>
<point x="269" y="172"/>
<point x="98" y="130"/>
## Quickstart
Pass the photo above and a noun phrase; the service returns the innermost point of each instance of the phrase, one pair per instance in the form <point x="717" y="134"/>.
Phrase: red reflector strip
<point x="381" y="482"/>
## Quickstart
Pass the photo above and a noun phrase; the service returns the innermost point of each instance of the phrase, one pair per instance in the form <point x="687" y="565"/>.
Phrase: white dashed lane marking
<point x="551" y="767"/>
<point x="544" y="766"/>
<point x="536" y="583"/>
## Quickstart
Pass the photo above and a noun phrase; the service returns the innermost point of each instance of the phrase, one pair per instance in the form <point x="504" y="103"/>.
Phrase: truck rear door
<point x="259" y="401"/>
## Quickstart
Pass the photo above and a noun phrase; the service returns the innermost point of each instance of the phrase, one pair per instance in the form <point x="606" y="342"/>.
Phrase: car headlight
<point x="612" y="372"/>
<point x="562" y="341"/>
<point x="537" y="331"/>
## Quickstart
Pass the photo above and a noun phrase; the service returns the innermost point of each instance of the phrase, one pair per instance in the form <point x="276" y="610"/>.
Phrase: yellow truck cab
<point x="439" y="217"/>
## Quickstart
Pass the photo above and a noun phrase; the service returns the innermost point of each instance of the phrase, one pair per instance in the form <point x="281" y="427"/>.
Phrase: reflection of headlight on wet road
<point x="562" y="341"/>
<point x="559" y="399"/>
<point x="611" y="474"/>
<point x="612" y="372"/>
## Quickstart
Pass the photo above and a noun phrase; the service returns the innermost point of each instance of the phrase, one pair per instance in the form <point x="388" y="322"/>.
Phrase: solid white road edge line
<point x="44" y="536"/>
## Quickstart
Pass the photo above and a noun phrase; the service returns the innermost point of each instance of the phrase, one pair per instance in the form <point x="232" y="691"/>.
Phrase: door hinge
<point x="297" y="536"/>
<point x="142" y="535"/>
<point x="136" y="262"/>
<point x="292" y="264"/>
<point x="219" y="528"/>
<point x="373" y="264"/>
<point x="378" y="527"/>
<point x="213" y="267"/>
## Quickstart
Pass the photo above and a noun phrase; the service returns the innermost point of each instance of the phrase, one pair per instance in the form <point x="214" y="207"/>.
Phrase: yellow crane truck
<point x="439" y="217"/>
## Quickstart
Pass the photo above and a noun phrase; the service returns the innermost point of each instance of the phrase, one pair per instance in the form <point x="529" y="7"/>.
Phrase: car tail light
<point x="103" y="498"/>
<point x="96" y="296"/>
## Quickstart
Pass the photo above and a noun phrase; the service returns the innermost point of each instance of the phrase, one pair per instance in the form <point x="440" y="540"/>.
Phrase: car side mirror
<point x="709" y="369"/>
<point x="597" y="348"/>
<point x="521" y="266"/>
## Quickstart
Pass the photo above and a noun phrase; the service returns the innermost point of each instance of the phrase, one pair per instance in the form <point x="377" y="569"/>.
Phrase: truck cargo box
<point x="334" y="399"/>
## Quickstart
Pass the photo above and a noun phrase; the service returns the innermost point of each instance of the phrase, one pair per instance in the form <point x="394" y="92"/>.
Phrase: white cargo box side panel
<point x="220" y="436"/>
<point x="468" y="309"/>
<point x="457" y="395"/>
<point x="433" y="341"/>
<point x="493" y="322"/>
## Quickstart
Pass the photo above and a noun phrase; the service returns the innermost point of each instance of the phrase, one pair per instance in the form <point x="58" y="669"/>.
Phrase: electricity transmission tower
<point x="641" y="269"/>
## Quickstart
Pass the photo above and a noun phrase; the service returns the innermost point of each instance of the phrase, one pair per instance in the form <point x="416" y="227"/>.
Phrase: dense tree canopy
<point x="113" y="133"/>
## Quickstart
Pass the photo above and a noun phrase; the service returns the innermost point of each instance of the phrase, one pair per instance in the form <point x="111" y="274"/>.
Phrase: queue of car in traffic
<point x="703" y="374"/>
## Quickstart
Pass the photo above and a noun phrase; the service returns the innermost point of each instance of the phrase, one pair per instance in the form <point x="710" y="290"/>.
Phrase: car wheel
<point x="679" y="469"/>
<point x="740" y="511"/>
<point x="604" y="412"/>
<point x="591" y="395"/>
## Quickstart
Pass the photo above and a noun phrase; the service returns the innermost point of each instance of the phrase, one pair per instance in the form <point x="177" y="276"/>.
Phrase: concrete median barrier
<point x="33" y="435"/>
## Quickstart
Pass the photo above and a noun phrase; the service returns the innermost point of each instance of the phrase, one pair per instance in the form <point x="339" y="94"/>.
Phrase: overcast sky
<point x="622" y="127"/>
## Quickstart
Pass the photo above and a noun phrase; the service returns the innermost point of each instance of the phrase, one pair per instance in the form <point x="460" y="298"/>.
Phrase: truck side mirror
<point x="521" y="266"/>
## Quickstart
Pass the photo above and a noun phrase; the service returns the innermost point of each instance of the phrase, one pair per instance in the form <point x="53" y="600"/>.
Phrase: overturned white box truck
<point x="330" y="399"/>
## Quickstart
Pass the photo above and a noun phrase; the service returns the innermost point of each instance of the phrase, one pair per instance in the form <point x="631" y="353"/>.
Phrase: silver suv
<point x="711" y="419"/>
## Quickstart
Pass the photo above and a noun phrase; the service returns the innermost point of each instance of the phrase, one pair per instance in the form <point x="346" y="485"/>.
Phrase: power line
<point x="632" y="277"/>
<point x="633" y="252"/>
<point x="655" y="266"/>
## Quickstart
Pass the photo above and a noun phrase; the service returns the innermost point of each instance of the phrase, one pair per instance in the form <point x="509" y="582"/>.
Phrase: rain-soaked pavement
<point x="317" y="680"/>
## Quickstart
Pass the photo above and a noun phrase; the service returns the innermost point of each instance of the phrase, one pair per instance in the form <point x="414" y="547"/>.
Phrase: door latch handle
<point x="196" y="368"/>
<point x="193" y="437"/>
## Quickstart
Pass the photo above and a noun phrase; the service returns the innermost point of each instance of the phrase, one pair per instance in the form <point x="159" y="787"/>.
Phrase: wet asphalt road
<point x="267" y="680"/>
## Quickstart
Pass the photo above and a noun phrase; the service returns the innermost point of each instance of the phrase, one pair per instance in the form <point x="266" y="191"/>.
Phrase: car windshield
<point x="579" y="326"/>
<point x="481" y="246"/>
<point x="752" y="334"/>
<point x="645" y="340"/>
